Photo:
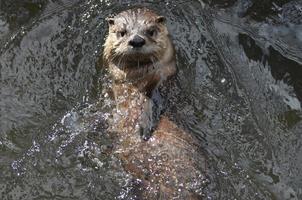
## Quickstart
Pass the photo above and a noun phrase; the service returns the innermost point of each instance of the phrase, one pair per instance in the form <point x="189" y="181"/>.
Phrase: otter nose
<point x="137" y="42"/>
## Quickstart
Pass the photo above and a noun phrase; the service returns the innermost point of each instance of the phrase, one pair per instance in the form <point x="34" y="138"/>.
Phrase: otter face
<point x="136" y="35"/>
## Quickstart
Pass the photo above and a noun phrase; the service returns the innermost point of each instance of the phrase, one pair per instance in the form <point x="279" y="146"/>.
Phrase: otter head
<point x="136" y="37"/>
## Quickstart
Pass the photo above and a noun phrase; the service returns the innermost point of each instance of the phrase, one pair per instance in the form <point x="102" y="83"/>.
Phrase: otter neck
<point x="144" y="77"/>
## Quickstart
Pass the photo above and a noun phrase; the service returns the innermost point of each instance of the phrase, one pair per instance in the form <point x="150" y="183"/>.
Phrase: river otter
<point x="140" y="56"/>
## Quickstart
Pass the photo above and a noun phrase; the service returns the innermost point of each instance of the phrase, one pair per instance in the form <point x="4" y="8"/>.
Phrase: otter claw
<point x="145" y="133"/>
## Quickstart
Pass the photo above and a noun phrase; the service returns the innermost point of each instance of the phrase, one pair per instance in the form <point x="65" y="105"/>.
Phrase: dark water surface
<point x="238" y="89"/>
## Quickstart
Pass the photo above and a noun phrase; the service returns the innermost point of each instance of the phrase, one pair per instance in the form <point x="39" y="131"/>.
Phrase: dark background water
<point x="238" y="89"/>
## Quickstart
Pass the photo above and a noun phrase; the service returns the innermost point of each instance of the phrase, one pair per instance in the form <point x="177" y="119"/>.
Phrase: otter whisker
<point x="114" y="56"/>
<point x="153" y="63"/>
<point x="120" y="63"/>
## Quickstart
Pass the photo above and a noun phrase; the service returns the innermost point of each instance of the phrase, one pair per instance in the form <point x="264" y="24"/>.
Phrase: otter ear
<point x="160" y="19"/>
<point x="110" y="21"/>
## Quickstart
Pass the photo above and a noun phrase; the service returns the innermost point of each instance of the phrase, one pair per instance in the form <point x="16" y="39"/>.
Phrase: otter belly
<point x="169" y="165"/>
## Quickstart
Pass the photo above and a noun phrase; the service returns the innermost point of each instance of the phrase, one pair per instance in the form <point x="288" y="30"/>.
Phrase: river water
<point x="238" y="89"/>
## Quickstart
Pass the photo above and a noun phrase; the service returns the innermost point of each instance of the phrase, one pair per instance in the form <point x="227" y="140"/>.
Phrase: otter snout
<point x="137" y="41"/>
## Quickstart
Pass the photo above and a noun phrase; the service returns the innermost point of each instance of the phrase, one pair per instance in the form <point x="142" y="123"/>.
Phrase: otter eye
<point x="122" y="33"/>
<point x="151" y="32"/>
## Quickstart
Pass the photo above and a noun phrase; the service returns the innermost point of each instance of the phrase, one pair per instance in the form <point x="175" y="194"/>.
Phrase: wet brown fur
<point x="166" y="164"/>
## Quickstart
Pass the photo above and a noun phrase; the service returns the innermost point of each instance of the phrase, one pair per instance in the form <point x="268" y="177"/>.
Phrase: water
<point x="238" y="89"/>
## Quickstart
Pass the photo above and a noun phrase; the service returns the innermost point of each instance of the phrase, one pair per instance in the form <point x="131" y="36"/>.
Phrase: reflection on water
<point x="238" y="89"/>
<point x="282" y="68"/>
